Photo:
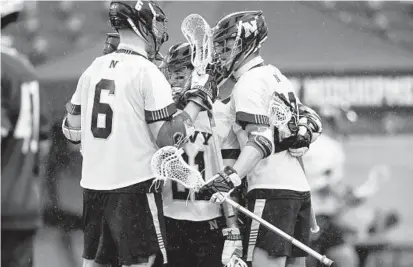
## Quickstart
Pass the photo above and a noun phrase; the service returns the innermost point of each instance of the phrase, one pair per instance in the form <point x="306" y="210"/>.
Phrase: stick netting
<point x="167" y="163"/>
<point x="198" y="33"/>
<point x="280" y="112"/>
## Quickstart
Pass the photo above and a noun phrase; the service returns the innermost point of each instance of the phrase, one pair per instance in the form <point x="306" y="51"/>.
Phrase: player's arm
<point x="251" y="101"/>
<point x="71" y="125"/>
<point x="230" y="152"/>
<point x="168" y="128"/>
<point x="251" y="106"/>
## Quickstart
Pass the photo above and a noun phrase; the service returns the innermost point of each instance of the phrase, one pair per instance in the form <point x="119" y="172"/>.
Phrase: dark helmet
<point x="145" y="18"/>
<point x="10" y="11"/>
<point x="178" y="57"/>
<point x="177" y="67"/>
<point x="236" y="36"/>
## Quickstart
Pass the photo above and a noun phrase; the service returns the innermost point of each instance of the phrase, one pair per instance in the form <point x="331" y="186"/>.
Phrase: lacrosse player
<point x="196" y="229"/>
<point x="278" y="190"/>
<point x="122" y="111"/>
<point x="24" y="142"/>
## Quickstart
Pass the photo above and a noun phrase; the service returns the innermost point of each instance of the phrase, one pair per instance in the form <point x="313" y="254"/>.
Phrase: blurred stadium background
<point x="357" y="54"/>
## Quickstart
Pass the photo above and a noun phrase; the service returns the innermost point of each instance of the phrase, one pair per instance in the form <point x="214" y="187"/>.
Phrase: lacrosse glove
<point x="302" y="140"/>
<point x="203" y="90"/>
<point x="232" y="245"/>
<point x="222" y="184"/>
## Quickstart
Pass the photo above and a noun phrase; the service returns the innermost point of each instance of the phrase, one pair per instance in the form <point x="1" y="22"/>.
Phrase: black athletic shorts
<point x="123" y="226"/>
<point x="17" y="248"/>
<point x="194" y="244"/>
<point x="288" y="210"/>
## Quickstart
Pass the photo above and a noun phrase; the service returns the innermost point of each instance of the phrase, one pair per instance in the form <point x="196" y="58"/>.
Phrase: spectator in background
<point x="331" y="197"/>
<point x="24" y="143"/>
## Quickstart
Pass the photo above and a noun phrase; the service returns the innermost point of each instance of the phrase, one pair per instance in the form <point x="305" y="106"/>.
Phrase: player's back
<point x="117" y="144"/>
<point x="20" y="122"/>
<point x="279" y="170"/>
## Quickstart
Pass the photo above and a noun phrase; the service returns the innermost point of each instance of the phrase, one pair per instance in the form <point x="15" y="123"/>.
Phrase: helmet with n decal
<point x="236" y="36"/>
<point x="145" y="18"/>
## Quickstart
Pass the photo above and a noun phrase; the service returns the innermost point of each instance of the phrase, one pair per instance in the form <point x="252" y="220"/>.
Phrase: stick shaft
<point x="313" y="221"/>
<point x="322" y="258"/>
<point x="219" y="162"/>
<point x="216" y="148"/>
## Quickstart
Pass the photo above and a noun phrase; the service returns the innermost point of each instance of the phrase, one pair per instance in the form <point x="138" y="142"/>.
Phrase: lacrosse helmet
<point x="145" y="18"/>
<point x="10" y="11"/>
<point x="177" y="68"/>
<point x="235" y="37"/>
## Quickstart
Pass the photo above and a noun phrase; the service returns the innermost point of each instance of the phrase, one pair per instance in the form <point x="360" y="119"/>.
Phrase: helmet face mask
<point x="177" y="68"/>
<point x="226" y="52"/>
<point x="179" y="77"/>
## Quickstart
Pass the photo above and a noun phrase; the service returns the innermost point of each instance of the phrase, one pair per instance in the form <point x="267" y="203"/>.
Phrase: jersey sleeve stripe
<point x="73" y="109"/>
<point x="243" y="117"/>
<point x="161" y="114"/>
<point x="230" y="153"/>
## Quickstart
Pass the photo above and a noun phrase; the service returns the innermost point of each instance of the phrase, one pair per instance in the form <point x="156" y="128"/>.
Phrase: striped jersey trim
<point x="161" y="114"/>
<point x="255" y="226"/>
<point x="154" y="211"/>
<point x="73" y="109"/>
<point x="243" y="117"/>
<point x="230" y="153"/>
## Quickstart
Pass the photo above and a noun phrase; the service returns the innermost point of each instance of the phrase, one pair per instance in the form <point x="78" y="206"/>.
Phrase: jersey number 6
<point x="102" y="109"/>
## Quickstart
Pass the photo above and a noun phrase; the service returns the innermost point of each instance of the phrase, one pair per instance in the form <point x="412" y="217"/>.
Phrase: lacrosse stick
<point x="199" y="36"/>
<point x="198" y="33"/>
<point x="281" y="112"/>
<point x="167" y="163"/>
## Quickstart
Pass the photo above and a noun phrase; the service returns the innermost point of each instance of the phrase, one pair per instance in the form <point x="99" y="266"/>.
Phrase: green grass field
<point x="363" y="152"/>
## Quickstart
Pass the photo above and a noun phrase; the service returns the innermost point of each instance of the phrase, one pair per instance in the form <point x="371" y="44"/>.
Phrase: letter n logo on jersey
<point x="213" y="224"/>
<point x="113" y="64"/>
<point x="250" y="27"/>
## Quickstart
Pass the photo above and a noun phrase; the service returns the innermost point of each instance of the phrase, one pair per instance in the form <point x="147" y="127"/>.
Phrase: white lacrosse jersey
<point x="178" y="203"/>
<point x="119" y="94"/>
<point x="250" y="103"/>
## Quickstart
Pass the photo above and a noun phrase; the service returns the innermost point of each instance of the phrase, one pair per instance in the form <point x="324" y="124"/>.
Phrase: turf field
<point x="363" y="152"/>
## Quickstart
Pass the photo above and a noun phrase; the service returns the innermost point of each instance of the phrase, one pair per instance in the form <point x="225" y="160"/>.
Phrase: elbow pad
<point x="313" y="121"/>
<point x="261" y="138"/>
<point x="174" y="131"/>
<point x="74" y="135"/>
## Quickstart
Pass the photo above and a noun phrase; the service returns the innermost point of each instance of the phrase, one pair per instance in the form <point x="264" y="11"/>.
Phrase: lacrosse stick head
<point x="280" y="110"/>
<point x="167" y="163"/>
<point x="199" y="35"/>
